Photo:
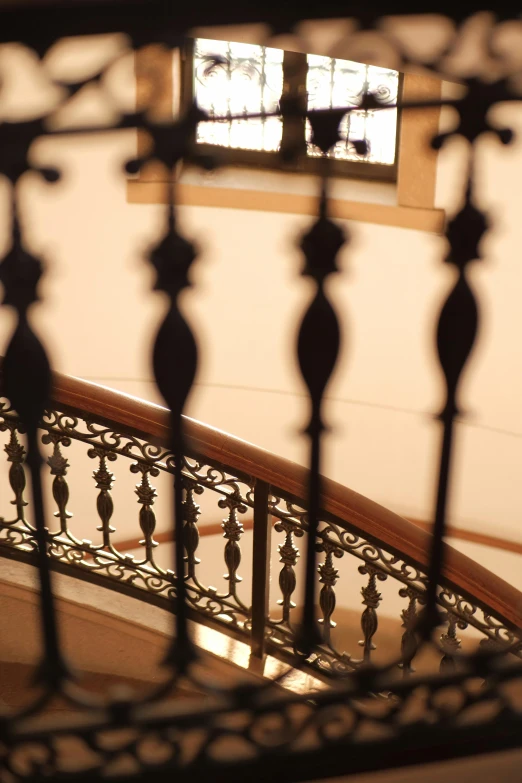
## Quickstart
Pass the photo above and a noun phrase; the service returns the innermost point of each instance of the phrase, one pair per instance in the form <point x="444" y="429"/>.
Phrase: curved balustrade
<point x="356" y="536"/>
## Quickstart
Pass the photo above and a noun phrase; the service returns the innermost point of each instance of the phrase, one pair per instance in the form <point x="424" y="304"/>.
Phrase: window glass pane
<point x="245" y="79"/>
<point x="334" y="83"/>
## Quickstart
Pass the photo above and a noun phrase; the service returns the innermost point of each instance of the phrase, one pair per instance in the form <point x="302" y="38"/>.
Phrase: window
<point x="232" y="79"/>
<point x="409" y="204"/>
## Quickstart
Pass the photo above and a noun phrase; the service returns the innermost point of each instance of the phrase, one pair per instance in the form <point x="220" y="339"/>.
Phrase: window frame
<point x="414" y="202"/>
<point x="267" y="160"/>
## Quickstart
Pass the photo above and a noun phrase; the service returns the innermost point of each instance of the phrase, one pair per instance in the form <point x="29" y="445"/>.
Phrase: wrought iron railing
<point x="376" y="715"/>
<point x="354" y="536"/>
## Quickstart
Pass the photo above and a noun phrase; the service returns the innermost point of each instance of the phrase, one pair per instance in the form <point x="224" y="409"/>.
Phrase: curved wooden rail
<point x="378" y="523"/>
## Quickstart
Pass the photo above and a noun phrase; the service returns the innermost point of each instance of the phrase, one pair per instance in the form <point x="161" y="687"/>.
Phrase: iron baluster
<point x="289" y="554"/>
<point x="27" y="384"/>
<point x="146" y="496"/>
<point x="104" y="503"/>
<point x="191" y="512"/>
<point x="260" y="568"/>
<point x="450" y="644"/>
<point x="53" y="670"/>
<point x="371" y="599"/>
<point x="317" y="350"/>
<point x="17" y="481"/>
<point x="232" y="531"/>
<point x="409" y="640"/>
<point x="175" y="354"/>
<point x="456" y="333"/>
<point x="59" y="464"/>
<point x="328" y="576"/>
<point x="175" y="361"/>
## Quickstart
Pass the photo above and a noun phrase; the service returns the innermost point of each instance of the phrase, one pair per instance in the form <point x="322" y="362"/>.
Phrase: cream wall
<point x="244" y="308"/>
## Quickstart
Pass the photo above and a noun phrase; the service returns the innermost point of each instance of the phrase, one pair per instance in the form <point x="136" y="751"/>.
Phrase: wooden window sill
<point x="419" y="218"/>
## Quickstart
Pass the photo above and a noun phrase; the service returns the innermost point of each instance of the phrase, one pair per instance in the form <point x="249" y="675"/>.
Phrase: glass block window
<point x="233" y="79"/>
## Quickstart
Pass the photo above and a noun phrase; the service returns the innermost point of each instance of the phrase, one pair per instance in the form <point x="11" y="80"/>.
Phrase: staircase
<point x="176" y="603"/>
<point x="90" y="427"/>
<point x="111" y="586"/>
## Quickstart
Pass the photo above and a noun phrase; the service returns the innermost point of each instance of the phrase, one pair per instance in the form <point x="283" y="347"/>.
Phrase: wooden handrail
<point x="151" y="421"/>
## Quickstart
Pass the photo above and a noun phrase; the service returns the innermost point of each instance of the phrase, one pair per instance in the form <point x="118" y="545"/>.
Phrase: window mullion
<point x="187" y="95"/>
<point x="295" y="68"/>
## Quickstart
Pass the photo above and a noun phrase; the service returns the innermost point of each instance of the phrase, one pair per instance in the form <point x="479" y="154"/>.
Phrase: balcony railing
<point x="355" y="536"/>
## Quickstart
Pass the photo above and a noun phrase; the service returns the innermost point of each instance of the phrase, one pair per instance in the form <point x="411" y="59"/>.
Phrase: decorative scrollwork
<point x="467" y="613"/>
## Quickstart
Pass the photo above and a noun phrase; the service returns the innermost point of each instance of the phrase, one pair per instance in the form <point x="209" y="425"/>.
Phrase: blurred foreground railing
<point x="378" y="713"/>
